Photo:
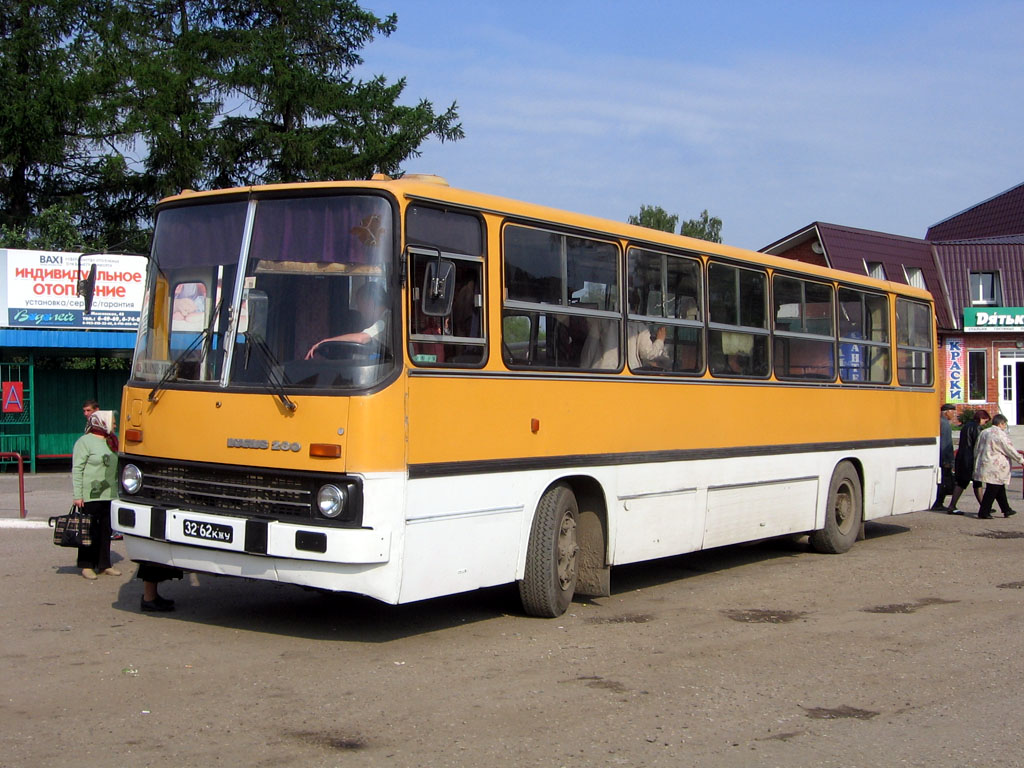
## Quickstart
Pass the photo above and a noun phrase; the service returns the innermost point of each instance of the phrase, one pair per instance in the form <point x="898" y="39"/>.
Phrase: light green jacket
<point x="93" y="469"/>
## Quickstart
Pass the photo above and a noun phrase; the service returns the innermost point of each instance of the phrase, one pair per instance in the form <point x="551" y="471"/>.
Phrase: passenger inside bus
<point x="601" y="346"/>
<point x="647" y="347"/>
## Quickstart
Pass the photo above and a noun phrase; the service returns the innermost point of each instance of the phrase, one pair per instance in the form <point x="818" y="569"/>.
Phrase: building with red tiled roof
<point x="996" y="217"/>
<point x="973" y="264"/>
<point x="866" y="252"/>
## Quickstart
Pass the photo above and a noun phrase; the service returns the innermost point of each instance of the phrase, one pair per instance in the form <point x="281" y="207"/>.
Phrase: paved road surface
<point x="907" y="651"/>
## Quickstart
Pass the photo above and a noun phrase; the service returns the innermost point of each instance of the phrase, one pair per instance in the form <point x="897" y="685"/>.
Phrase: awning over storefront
<point x="67" y="341"/>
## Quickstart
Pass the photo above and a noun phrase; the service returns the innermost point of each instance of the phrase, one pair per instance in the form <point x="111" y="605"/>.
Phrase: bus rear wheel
<point x="551" y="557"/>
<point x="844" y="513"/>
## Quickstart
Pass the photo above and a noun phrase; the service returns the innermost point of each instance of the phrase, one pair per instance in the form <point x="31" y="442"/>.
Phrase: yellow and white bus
<point x="404" y="390"/>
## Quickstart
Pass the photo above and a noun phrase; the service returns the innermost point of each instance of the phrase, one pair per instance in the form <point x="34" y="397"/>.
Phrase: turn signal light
<point x="325" y="450"/>
<point x="133" y="435"/>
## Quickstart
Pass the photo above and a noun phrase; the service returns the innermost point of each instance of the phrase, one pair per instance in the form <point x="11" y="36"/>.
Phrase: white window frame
<point x="979" y="300"/>
<point x="967" y="387"/>
<point x="915" y="277"/>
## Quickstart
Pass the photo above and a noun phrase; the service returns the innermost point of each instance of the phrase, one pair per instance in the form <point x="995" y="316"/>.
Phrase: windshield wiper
<point x="172" y="369"/>
<point x="274" y="383"/>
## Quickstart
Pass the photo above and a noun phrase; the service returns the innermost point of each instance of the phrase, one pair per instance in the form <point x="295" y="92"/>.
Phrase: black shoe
<point x="984" y="517"/>
<point x="1010" y="513"/>
<point x="160" y="605"/>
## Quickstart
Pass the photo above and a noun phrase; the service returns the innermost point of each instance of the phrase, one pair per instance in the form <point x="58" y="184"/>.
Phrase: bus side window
<point x="914" y="323"/>
<point x="738" y="325"/>
<point x="805" y="344"/>
<point x="566" y="290"/>
<point x="864" y="353"/>
<point x="459" y="337"/>
<point x="456" y="338"/>
<point x="517" y="332"/>
<point x="666" y="324"/>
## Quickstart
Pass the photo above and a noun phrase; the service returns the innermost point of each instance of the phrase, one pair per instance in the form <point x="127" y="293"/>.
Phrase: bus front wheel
<point x="551" y="557"/>
<point x="844" y="513"/>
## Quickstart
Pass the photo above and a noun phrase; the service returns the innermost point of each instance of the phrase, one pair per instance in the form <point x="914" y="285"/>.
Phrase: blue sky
<point x="881" y="115"/>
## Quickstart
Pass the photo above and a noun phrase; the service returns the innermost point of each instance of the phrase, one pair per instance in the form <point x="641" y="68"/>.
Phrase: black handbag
<point x="73" y="529"/>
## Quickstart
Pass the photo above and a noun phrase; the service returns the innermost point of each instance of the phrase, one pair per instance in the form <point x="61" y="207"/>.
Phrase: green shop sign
<point x="994" y="319"/>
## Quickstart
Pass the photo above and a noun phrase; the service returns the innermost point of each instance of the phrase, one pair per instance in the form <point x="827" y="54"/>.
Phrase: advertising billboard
<point x="40" y="290"/>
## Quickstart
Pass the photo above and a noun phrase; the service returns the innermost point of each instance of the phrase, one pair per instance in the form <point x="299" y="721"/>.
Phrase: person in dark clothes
<point x="152" y="574"/>
<point x="946" y="415"/>
<point x="963" y="465"/>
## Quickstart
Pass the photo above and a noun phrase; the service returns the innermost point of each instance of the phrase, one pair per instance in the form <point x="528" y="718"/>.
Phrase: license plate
<point x="208" y="531"/>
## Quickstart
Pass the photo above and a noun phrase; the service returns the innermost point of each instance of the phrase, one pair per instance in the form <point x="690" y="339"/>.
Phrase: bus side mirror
<point x="438" y="288"/>
<point x="258" y="307"/>
<point x="87" y="288"/>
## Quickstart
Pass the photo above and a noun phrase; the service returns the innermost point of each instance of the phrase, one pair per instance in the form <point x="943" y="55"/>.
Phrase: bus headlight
<point x="330" y="500"/>
<point x="131" y="479"/>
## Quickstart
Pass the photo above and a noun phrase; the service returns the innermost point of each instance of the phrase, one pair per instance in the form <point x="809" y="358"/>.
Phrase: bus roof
<point x="432" y="188"/>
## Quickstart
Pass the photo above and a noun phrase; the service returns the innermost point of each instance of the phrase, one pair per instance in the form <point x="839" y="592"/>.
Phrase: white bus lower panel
<point x="337" y="559"/>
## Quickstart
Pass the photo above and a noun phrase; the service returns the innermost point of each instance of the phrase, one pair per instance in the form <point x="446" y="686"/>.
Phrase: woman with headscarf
<point x="94" y="485"/>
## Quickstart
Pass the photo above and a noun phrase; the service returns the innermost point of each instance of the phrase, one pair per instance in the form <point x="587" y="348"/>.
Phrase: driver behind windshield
<point x="371" y="303"/>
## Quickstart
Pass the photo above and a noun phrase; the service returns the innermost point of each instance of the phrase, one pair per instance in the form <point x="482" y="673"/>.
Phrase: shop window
<point x="977" y="376"/>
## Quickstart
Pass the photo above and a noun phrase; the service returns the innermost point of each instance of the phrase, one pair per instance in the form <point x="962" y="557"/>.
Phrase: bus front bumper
<point x="268" y="538"/>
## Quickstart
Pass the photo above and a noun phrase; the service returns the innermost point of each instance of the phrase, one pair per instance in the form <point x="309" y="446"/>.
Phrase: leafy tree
<point x="655" y="217"/>
<point x="60" y="72"/>
<point x="304" y="116"/>
<point x="173" y="95"/>
<point x="111" y="104"/>
<point x="704" y="228"/>
<point x="44" y="66"/>
<point x="54" y="229"/>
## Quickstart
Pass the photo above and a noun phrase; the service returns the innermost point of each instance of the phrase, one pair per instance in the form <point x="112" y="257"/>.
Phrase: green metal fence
<point x="52" y="419"/>
<point x="17" y="429"/>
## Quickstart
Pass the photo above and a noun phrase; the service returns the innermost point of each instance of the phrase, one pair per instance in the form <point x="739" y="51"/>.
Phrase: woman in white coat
<point x="994" y="454"/>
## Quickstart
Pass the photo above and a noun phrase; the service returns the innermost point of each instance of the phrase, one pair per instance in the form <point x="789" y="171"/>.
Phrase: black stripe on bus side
<point x="453" y="468"/>
<point x="667" y="379"/>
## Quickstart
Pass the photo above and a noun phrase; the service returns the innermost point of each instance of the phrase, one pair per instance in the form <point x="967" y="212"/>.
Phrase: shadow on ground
<point x="284" y="609"/>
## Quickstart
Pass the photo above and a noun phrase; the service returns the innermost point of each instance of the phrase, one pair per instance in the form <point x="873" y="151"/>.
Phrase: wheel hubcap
<point x="567" y="548"/>
<point x="844" y="507"/>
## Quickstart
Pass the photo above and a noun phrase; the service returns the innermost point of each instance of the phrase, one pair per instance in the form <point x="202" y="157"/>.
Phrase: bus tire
<point x="844" y="513"/>
<point x="551" y="557"/>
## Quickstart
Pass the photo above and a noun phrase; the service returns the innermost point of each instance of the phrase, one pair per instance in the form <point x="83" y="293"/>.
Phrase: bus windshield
<point x="286" y="293"/>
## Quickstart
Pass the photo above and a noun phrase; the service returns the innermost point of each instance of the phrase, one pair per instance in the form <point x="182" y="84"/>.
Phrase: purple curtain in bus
<point x="321" y="229"/>
<point x="199" y="235"/>
<point x="350" y="228"/>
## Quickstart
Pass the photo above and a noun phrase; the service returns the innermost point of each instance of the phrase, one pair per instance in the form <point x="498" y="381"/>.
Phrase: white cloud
<point x="886" y="132"/>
